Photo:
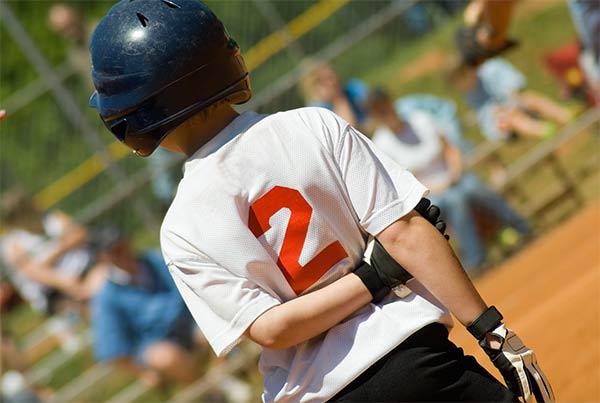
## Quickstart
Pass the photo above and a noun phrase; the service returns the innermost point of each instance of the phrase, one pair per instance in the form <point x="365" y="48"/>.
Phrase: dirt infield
<point x="550" y="294"/>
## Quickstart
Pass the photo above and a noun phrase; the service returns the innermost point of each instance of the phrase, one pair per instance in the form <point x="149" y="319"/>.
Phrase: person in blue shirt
<point x="139" y="320"/>
<point x="442" y="110"/>
<point x="497" y="92"/>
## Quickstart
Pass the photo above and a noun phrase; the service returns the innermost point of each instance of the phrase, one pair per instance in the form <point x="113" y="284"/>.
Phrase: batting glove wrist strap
<point x="490" y="319"/>
<point x="368" y="275"/>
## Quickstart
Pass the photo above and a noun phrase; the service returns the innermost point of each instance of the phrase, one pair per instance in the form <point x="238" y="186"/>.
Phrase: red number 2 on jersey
<point x="299" y="277"/>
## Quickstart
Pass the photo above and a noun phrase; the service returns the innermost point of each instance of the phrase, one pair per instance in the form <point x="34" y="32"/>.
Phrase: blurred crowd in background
<point x="95" y="275"/>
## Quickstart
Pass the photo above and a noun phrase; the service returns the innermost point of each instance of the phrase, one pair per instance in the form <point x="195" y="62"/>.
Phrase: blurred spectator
<point x="69" y="23"/>
<point x="416" y="144"/>
<point x="564" y="65"/>
<point x="45" y="254"/>
<point x="485" y="32"/>
<point x="442" y="111"/>
<point x="322" y="86"/>
<point x="139" y="320"/>
<point x="420" y="16"/>
<point x="14" y="387"/>
<point x="586" y="17"/>
<point x="496" y="91"/>
<point x="44" y="257"/>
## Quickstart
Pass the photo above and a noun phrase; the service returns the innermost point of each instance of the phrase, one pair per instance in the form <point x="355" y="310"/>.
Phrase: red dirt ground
<point x="550" y="295"/>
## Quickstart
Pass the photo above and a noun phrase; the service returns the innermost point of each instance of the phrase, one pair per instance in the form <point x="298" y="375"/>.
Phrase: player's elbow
<point x="270" y="331"/>
<point x="270" y="341"/>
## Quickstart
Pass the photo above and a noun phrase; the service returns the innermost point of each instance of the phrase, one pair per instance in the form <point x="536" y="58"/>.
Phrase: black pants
<point x="427" y="367"/>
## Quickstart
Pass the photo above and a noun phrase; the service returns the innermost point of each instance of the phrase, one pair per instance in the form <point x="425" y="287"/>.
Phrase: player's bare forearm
<point x="425" y="253"/>
<point x="309" y="315"/>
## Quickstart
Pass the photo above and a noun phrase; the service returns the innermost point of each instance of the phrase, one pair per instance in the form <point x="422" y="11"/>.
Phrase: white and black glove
<point x="516" y="362"/>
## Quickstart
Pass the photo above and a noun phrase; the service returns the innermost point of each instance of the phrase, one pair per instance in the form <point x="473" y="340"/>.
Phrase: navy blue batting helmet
<point x="156" y="63"/>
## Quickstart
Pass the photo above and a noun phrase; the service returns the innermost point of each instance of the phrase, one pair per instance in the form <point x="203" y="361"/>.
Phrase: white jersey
<point x="281" y="205"/>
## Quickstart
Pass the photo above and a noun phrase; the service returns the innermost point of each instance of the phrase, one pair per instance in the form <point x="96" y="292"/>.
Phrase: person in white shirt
<point x="47" y="256"/>
<point x="266" y="235"/>
<point x="416" y="142"/>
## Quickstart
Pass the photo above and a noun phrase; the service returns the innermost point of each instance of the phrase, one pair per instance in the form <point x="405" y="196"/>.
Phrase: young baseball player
<point x="266" y="236"/>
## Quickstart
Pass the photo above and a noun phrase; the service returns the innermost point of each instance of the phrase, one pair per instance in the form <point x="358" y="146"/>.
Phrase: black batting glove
<point x="432" y="213"/>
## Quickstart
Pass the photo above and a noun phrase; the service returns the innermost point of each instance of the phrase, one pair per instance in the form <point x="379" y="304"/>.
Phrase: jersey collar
<point x="229" y="132"/>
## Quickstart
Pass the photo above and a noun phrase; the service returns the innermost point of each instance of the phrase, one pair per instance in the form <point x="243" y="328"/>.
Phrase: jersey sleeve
<point x="381" y="191"/>
<point x="223" y="304"/>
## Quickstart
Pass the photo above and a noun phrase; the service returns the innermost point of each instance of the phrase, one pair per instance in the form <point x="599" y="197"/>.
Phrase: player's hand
<point x="516" y="362"/>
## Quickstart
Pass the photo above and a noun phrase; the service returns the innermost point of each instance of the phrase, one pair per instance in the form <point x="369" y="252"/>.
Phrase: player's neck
<point x="199" y="130"/>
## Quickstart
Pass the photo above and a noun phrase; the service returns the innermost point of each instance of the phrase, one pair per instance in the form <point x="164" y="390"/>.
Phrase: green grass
<point x="20" y="321"/>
